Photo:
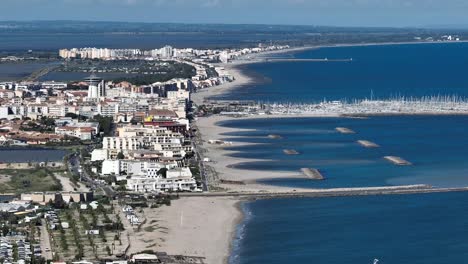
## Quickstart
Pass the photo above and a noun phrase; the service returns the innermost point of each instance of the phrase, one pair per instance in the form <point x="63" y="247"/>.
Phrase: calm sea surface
<point x="429" y="229"/>
<point x="416" y="229"/>
<point x="384" y="71"/>
<point x="436" y="146"/>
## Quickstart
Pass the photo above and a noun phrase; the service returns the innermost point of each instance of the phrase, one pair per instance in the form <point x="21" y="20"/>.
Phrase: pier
<point x="344" y="130"/>
<point x="398" y="161"/>
<point x="367" y="144"/>
<point x="334" y="192"/>
<point x="290" y="152"/>
<point x="314" y="174"/>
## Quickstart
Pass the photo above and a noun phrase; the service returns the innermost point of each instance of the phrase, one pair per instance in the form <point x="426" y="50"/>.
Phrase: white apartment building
<point x="108" y="109"/>
<point x="6" y="94"/>
<point x="125" y="144"/>
<point x="177" y="179"/>
<point x="143" y="184"/>
<point x="136" y="168"/>
<point x="99" y="154"/>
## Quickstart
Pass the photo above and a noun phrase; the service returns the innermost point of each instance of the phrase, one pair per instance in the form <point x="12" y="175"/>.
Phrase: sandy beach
<point x="221" y="162"/>
<point x="205" y="226"/>
<point x="195" y="226"/>
<point x="240" y="80"/>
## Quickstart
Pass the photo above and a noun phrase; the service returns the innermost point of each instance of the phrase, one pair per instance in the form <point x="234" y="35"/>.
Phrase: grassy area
<point x="33" y="180"/>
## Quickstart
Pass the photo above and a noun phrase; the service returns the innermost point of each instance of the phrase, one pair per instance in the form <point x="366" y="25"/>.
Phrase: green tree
<point x="72" y="115"/>
<point x="120" y="156"/>
<point x="105" y="124"/>
<point x="163" y="172"/>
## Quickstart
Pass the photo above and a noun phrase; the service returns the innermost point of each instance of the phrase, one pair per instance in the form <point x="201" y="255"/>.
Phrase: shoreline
<point x="210" y="129"/>
<point x="241" y="77"/>
<point x="193" y="226"/>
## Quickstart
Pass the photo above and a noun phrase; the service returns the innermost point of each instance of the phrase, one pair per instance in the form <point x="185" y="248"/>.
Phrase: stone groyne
<point x="290" y="152"/>
<point x="367" y="144"/>
<point x="274" y="136"/>
<point x="344" y="130"/>
<point x="312" y="173"/>
<point x="398" y="161"/>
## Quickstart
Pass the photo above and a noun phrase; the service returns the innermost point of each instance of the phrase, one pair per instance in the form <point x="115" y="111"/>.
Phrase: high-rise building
<point x="96" y="88"/>
<point x="167" y="52"/>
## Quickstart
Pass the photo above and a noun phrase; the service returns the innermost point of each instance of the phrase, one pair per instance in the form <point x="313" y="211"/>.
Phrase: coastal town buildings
<point x="166" y="52"/>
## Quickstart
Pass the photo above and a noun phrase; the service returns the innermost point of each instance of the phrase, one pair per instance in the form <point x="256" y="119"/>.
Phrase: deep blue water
<point x="416" y="229"/>
<point x="385" y="71"/>
<point x="429" y="228"/>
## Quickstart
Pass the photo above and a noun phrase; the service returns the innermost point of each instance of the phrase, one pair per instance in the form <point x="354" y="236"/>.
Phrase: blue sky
<point x="306" y="12"/>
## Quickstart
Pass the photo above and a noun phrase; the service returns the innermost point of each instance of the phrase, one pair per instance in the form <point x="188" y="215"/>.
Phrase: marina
<point x="434" y="105"/>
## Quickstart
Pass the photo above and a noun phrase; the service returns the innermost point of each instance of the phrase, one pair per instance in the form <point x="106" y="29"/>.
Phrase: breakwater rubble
<point x="313" y="174"/>
<point x="398" y="161"/>
<point x="367" y="144"/>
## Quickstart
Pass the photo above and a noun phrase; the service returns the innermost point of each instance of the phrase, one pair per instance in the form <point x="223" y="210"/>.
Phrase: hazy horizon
<point x="334" y="13"/>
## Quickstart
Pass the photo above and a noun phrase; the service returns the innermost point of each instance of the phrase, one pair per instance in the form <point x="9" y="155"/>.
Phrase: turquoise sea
<point x="429" y="228"/>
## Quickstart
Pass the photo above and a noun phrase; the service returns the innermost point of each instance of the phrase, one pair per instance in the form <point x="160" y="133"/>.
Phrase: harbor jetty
<point x="367" y="144"/>
<point x="312" y="173"/>
<point x="344" y="130"/>
<point x="274" y="136"/>
<point x="397" y="161"/>
<point x="310" y="60"/>
<point x="290" y="152"/>
<point x="334" y="192"/>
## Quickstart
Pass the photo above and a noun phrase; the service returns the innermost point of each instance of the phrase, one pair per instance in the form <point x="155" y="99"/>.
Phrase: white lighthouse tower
<point x="96" y="88"/>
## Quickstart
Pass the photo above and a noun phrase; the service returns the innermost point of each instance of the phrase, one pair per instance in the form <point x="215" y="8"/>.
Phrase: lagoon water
<point x="31" y="155"/>
<point x="16" y="71"/>
<point x="429" y="228"/>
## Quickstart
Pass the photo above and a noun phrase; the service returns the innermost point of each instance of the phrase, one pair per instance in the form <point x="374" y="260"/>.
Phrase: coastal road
<point x="198" y="157"/>
<point x="74" y="165"/>
<point x="45" y="241"/>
